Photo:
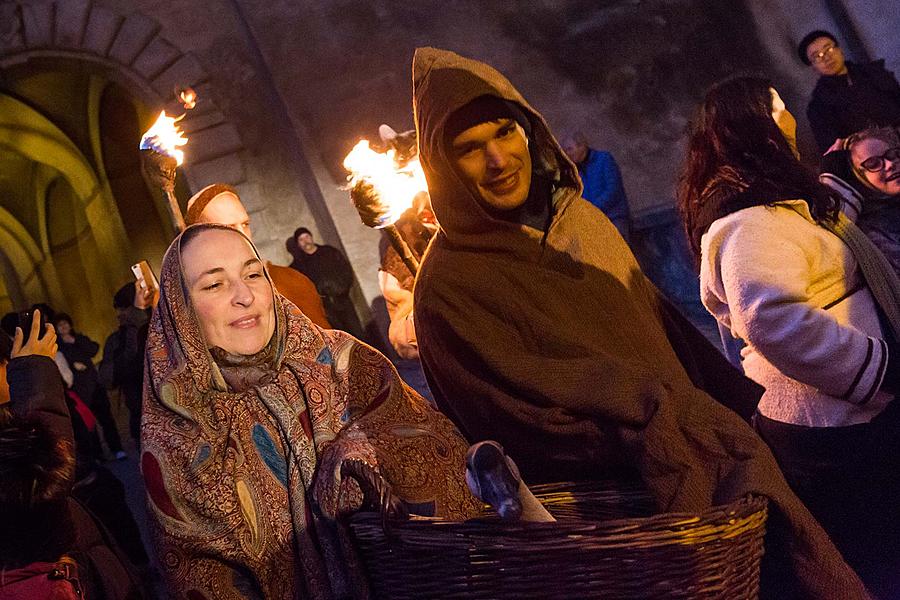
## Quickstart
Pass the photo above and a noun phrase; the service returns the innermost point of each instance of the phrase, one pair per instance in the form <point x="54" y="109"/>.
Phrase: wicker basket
<point x="605" y="545"/>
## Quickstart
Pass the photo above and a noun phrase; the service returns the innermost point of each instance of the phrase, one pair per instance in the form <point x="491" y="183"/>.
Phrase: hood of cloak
<point x="464" y="220"/>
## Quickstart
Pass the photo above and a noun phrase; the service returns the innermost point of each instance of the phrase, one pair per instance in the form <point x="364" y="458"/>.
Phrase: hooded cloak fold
<point x="555" y="344"/>
<point x="242" y="455"/>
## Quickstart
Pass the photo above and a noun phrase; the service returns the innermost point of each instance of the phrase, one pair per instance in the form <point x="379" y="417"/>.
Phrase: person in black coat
<point x="123" y="354"/>
<point x="333" y="276"/>
<point x="848" y="97"/>
<point x="80" y="351"/>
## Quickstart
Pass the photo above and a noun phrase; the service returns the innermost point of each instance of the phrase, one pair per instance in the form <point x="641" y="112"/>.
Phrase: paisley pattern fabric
<point x="242" y="455"/>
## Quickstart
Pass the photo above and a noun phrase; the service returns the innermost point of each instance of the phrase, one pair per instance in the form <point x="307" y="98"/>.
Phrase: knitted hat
<point x="484" y="109"/>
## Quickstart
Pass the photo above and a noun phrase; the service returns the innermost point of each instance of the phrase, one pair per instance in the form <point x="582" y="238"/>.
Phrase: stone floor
<point x="129" y="473"/>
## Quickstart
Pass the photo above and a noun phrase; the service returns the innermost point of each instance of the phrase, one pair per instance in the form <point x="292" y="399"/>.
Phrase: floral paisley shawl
<point x="242" y="485"/>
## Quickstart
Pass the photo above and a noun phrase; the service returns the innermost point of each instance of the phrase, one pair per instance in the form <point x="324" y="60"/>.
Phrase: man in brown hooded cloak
<point x="538" y="329"/>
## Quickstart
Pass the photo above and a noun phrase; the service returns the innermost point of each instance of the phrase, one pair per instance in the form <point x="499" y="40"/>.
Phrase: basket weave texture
<point x="605" y="544"/>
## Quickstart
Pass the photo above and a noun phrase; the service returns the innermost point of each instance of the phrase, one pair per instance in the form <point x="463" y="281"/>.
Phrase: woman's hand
<point x="79" y="366"/>
<point x="36" y="346"/>
<point x="837" y="145"/>
<point x="377" y="492"/>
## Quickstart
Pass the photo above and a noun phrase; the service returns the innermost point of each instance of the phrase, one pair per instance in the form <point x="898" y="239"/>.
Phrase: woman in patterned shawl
<point x="250" y="412"/>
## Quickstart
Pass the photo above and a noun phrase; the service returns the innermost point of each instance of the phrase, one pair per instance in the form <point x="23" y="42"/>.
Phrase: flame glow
<point x="165" y="137"/>
<point x="395" y="186"/>
<point x="188" y="98"/>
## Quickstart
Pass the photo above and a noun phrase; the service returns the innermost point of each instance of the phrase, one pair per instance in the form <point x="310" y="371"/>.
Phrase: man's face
<point x="494" y="162"/>
<point x="227" y="209"/>
<point x="826" y="57"/>
<point x="305" y="242"/>
<point x="576" y="151"/>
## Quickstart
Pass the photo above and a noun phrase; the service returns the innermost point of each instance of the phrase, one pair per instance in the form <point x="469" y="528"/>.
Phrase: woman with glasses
<point x="777" y="270"/>
<point x="865" y="170"/>
<point x="848" y="96"/>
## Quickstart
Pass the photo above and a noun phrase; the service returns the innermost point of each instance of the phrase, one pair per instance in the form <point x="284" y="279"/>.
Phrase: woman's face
<point x="229" y="291"/>
<point x="784" y="119"/>
<point x="887" y="178"/>
<point x="63" y="328"/>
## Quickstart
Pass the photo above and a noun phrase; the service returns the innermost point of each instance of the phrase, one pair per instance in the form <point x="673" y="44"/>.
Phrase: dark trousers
<point x="849" y="479"/>
<point x="342" y="315"/>
<point x="132" y="392"/>
<point x="99" y="404"/>
<point x="104" y="495"/>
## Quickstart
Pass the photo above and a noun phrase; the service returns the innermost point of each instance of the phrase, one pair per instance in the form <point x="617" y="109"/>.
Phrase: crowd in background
<point x="518" y="309"/>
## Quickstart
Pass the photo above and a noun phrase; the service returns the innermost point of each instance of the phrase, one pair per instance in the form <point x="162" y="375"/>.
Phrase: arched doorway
<point x="57" y="197"/>
<point x="92" y="79"/>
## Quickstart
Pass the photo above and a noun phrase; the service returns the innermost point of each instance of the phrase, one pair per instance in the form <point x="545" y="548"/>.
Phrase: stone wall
<point x="288" y="87"/>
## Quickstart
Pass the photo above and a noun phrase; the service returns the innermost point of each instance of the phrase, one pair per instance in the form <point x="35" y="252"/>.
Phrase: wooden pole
<point x="402" y="249"/>
<point x="160" y="170"/>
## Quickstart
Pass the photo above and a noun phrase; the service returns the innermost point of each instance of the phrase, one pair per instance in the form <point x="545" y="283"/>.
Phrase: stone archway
<point x="24" y="259"/>
<point x="39" y="263"/>
<point x="131" y="50"/>
<point x="127" y="51"/>
<point x="28" y="133"/>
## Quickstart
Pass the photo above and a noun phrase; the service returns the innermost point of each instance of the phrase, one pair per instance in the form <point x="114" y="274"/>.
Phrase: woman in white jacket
<point x="776" y="272"/>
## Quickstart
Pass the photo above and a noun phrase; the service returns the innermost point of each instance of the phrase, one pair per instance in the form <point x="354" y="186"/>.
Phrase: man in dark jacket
<point x="333" y="276"/>
<point x="123" y="354"/>
<point x="537" y="329"/>
<point x="848" y="97"/>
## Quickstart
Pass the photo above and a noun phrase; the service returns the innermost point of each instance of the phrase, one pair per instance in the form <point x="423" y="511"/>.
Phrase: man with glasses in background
<point x="848" y="97"/>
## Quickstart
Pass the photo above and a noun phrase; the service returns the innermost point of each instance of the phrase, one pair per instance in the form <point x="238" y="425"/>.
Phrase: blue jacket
<point x="603" y="184"/>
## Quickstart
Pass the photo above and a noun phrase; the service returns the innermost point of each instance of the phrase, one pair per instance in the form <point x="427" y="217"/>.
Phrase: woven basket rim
<point x="743" y="513"/>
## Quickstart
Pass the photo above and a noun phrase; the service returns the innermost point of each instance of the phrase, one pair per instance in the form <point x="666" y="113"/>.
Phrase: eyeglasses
<point x="874" y="164"/>
<point x="821" y="54"/>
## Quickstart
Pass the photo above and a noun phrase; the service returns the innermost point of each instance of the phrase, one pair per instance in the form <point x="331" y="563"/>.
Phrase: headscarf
<point x="556" y="345"/>
<point x="242" y="454"/>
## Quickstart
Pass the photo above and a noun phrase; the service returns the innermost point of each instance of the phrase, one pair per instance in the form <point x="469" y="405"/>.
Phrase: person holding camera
<point x="50" y="544"/>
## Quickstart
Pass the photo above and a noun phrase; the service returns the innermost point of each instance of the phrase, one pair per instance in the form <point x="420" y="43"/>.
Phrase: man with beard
<point x="537" y="329"/>
<point x="331" y="272"/>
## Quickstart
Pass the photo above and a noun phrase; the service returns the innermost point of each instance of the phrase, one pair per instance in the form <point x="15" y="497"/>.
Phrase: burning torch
<point x="382" y="189"/>
<point x="160" y="154"/>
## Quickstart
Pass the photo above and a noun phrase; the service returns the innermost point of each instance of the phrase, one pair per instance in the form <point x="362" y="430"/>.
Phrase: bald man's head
<point x="218" y="203"/>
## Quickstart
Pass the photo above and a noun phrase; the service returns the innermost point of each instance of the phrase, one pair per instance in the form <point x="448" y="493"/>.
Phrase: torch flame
<point x="165" y="137"/>
<point x="395" y="187"/>
<point x="188" y="98"/>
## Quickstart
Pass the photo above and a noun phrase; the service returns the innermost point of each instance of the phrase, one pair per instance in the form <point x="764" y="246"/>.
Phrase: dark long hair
<point x="36" y="469"/>
<point x="736" y="149"/>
